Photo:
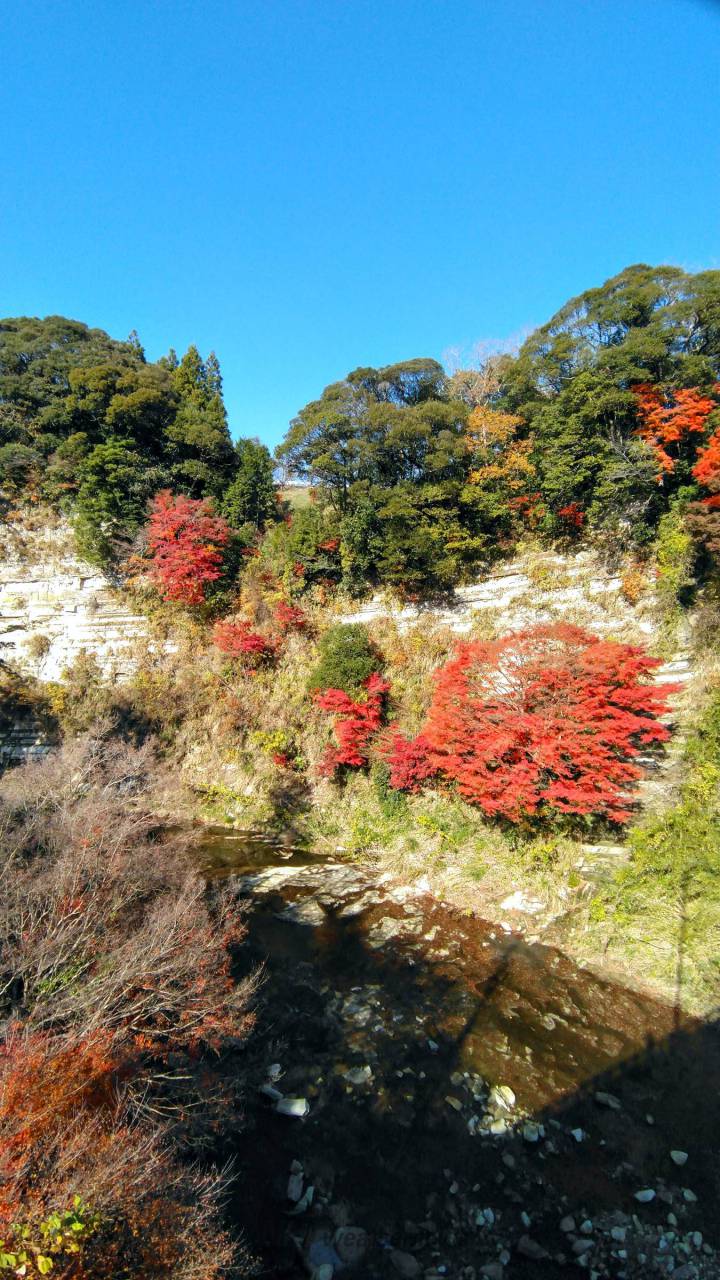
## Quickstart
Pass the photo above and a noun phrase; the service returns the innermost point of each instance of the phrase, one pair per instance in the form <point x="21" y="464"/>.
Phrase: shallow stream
<point x="468" y="1105"/>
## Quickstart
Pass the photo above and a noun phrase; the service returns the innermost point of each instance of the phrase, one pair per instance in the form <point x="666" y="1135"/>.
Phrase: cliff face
<point x="54" y="605"/>
<point x="534" y="588"/>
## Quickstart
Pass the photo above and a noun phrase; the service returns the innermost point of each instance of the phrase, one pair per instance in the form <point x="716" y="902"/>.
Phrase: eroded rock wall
<point x="54" y="605"/>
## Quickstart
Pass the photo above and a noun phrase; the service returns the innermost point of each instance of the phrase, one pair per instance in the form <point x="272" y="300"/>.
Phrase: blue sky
<point x="311" y="185"/>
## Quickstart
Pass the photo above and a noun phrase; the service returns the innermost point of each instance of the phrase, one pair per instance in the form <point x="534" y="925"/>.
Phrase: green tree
<point x="201" y="450"/>
<point x="111" y="500"/>
<point x="36" y="357"/>
<point x="251" y="497"/>
<point x="386" y="449"/>
<point x="346" y="658"/>
<point x="572" y="383"/>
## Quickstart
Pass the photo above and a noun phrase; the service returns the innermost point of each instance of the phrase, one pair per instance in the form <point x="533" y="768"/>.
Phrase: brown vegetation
<point x="118" y="1004"/>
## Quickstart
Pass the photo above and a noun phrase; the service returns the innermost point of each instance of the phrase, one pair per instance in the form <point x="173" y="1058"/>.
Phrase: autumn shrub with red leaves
<point x="238" y="640"/>
<point x="186" y="541"/>
<point x="572" y="517"/>
<point x="356" y="723"/>
<point x="290" y="617"/>
<point x="703" y="517"/>
<point x="545" y="721"/>
<point x="142" y="1212"/>
<point x="408" y="761"/>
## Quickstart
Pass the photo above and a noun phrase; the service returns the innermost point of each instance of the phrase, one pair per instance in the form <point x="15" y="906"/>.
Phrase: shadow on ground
<point x="394" y="1020"/>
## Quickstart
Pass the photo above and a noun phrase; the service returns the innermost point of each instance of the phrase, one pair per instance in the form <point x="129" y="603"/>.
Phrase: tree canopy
<point x="596" y="425"/>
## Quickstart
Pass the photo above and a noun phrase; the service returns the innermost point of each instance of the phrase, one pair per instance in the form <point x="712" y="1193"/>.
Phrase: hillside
<point x="101" y="652"/>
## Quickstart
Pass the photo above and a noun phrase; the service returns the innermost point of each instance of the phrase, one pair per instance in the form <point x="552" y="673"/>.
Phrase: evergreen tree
<point x="201" y="448"/>
<point x="110" y="501"/>
<point x="251" y="498"/>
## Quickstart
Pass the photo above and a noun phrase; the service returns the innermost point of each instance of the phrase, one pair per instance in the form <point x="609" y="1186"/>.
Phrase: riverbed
<point x="433" y="1096"/>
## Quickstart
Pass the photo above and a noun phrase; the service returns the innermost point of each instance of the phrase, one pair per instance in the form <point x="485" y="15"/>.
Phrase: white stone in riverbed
<point x="351" y="1244"/>
<point x="501" y="1095"/>
<point x="359" y="1075"/>
<point x="297" y="1107"/>
<point x="307" y="913"/>
<point x="679" y="1158"/>
<point x="518" y="902"/>
<point x="645" y="1196"/>
<point x="608" y="1100"/>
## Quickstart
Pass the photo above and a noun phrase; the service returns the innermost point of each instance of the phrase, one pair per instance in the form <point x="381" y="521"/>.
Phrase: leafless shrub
<point x="118" y="997"/>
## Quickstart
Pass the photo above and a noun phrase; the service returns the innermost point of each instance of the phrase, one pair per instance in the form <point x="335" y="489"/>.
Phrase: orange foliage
<point x="504" y="459"/>
<point x="668" y="418"/>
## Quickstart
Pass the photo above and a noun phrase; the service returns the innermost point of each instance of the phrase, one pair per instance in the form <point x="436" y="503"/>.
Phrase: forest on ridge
<point x="601" y="424"/>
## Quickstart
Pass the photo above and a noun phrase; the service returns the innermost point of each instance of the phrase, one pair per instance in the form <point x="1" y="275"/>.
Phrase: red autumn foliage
<point x="237" y="639"/>
<point x="707" y="468"/>
<point x="408" y="761"/>
<point x="64" y="1128"/>
<point x="667" y="419"/>
<point x="547" y="720"/>
<point x="356" y="723"/>
<point x="44" y="1081"/>
<point x="186" y="541"/>
<point x="572" y="515"/>
<point x="331" y="545"/>
<point x="703" y="517"/>
<point x="290" y="617"/>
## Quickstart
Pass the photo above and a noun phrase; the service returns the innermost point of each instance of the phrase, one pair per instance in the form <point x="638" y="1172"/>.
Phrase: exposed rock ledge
<point x="530" y="590"/>
<point x="53" y="605"/>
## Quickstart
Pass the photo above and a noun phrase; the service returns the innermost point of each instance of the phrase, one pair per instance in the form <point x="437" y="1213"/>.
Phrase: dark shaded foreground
<point x="394" y="1018"/>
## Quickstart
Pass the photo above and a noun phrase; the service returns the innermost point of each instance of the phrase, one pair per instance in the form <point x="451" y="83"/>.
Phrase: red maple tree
<point x="237" y="639"/>
<point x="408" y="760"/>
<point x="356" y="723"/>
<point x="707" y="468"/>
<point x="186" y="541"/>
<point x="668" y="418"/>
<point x="290" y="617"/>
<point x="703" y="517"/>
<point x="548" y="719"/>
<point x="572" y="516"/>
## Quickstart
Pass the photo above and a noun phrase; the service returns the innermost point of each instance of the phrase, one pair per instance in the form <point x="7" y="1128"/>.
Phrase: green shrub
<point x="346" y="659"/>
<point x="674" y="558"/>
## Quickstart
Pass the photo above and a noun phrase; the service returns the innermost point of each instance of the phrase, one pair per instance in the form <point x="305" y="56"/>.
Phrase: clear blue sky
<point x="311" y="185"/>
